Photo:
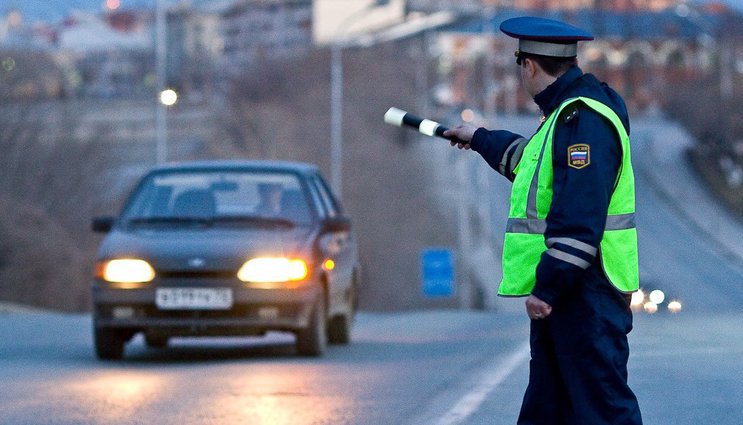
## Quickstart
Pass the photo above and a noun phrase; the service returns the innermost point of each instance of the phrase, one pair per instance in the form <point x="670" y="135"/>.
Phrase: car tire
<point x="156" y="341"/>
<point x="339" y="330"/>
<point x="313" y="340"/>
<point x="109" y="344"/>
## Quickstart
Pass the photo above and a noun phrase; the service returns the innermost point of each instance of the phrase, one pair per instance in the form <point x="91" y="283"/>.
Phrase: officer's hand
<point x="536" y="308"/>
<point x="463" y="132"/>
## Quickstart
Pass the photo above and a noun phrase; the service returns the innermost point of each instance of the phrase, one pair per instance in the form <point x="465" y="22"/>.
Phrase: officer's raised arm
<point x="501" y="149"/>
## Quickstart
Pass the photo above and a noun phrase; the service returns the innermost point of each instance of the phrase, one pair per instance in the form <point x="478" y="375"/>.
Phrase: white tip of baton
<point x="428" y="127"/>
<point x="394" y="116"/>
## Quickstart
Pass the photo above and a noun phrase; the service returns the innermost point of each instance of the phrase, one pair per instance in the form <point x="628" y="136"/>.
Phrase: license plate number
<point x="193" y="298"/>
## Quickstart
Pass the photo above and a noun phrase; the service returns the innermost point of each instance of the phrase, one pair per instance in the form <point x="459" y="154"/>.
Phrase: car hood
<point x="205" y="249"/>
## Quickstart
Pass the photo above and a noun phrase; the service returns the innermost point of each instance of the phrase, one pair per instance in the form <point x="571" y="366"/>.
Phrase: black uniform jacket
<point x="580" y="194"/>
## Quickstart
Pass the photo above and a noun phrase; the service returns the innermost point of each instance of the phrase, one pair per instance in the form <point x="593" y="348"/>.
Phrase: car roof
<point x="238" y="165"/>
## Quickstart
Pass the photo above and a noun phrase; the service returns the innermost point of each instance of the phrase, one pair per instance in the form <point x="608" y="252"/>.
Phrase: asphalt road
<point x="442" y="367"/>
<point x="435" y="367"/>
<point x="388" y="375"/>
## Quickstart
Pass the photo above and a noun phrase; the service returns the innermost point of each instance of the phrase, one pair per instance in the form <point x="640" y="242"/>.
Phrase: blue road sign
<point x="437" y="271"/>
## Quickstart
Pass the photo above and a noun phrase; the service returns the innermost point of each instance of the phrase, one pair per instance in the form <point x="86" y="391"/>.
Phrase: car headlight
<point x="125" y="270"/>
<point x="273" y="269"/>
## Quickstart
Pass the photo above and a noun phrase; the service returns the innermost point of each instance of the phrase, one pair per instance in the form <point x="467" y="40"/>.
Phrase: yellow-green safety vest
<point x="531" y="198"/>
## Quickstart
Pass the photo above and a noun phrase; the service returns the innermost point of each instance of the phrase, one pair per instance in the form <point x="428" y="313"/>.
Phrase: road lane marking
<point x="494" y="376"/>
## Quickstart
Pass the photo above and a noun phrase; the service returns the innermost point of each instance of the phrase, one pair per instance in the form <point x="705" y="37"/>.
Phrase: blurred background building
<point x="643" y="47"/>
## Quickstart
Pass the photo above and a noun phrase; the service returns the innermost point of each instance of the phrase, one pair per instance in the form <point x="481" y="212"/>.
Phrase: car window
<point x="328" y="201"/>
<point x="216" y="195"/>
<point x="317" y="200"/>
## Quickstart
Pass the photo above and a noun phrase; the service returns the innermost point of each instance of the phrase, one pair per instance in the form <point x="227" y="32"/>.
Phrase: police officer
<point x="571" y="244"/>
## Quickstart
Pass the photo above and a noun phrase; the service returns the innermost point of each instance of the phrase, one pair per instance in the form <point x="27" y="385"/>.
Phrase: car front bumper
<point x="254" y="309"/>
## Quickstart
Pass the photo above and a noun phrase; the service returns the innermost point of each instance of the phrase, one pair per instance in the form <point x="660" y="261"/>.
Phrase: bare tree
<point x="48" y="186"/>
<point x="716" y="124"/>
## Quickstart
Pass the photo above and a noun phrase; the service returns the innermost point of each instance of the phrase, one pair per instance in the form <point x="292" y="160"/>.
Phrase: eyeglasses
<point x="519" y="57"/>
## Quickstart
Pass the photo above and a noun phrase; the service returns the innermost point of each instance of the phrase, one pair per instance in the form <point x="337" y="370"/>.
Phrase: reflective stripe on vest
<point x="531" y="198"/>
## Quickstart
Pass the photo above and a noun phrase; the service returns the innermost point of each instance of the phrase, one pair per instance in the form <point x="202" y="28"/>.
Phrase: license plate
<point x="193" y="298"/>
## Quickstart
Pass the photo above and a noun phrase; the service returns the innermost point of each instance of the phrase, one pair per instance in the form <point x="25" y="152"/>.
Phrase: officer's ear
<point x="530" y="67"/>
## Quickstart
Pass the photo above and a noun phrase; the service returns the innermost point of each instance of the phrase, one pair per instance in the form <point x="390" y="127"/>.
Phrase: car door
<point x="339" y="245"/>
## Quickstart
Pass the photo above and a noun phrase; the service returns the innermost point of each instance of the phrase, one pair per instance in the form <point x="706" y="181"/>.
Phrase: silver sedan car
<point x="224" y="248"/>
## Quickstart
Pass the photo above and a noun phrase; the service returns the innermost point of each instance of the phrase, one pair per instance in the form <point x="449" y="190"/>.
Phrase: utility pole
<point x="336" y="96"/>
<point x="161" y="137"/>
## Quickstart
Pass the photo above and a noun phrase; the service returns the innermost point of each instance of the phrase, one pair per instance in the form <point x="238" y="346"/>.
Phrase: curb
<point x="15" y="308"/>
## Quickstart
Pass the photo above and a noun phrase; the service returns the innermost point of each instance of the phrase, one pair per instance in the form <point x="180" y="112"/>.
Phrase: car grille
<point x="178" y="274"/>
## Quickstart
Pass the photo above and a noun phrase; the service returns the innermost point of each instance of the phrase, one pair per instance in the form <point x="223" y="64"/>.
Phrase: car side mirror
<point x="337" y="224"/>
<point x="102" y="224"/>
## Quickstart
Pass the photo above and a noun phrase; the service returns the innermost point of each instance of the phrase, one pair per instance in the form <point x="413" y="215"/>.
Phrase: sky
<point x="56" y="10"/>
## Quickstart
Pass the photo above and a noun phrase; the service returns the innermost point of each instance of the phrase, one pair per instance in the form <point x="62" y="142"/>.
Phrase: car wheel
<point x="339" y="328"/>
<point x="312" y="340"/>
<point x="156" y="341"/>
<point x="109" y="343"/>
<point x="339" y="331"/>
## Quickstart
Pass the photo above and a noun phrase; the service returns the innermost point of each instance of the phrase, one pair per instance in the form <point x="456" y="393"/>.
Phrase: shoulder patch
<point x="579" y="155"/>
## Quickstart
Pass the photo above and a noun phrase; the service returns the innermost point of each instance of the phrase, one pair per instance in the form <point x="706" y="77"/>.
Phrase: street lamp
<point x="160" y="52"/>
<point x="336" y="118"/>
<point x="168" y="97"/>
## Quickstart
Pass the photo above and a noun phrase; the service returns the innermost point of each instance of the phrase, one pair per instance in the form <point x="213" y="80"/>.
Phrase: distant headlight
<point x="273" y="269"/>
<point x="674" y="306"/>
<point x="657" y="296"/>
<point x="125" y="270"/>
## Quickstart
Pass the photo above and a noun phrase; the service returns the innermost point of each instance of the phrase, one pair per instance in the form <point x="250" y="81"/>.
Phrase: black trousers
<point x="578" y="367"/>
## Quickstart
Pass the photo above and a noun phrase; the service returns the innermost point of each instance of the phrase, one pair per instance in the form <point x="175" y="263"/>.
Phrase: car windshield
<point x="229" y="198"/>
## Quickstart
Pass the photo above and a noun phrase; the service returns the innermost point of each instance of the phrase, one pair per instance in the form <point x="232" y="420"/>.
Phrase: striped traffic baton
<point x="398" y="117"/>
